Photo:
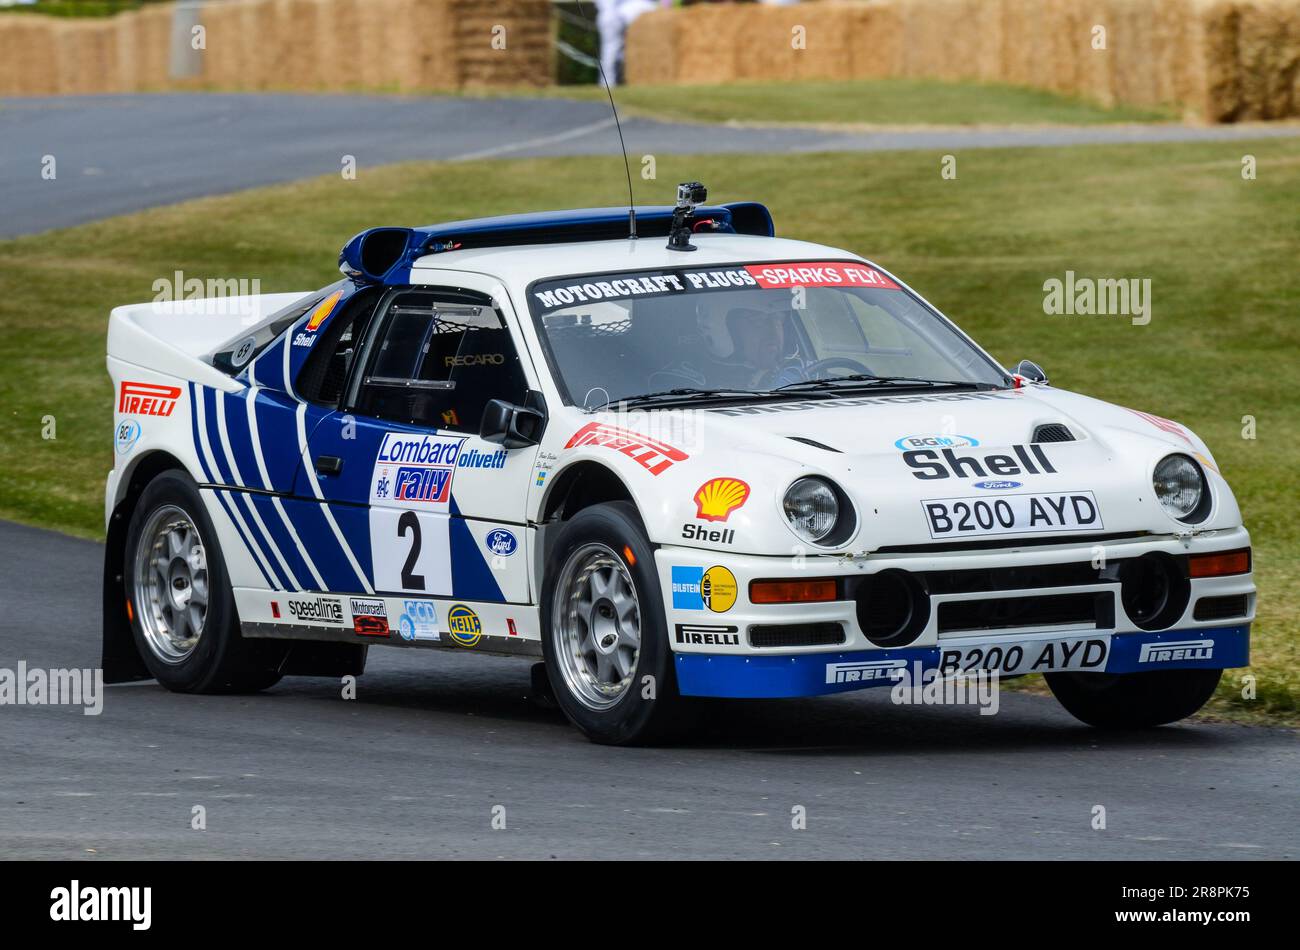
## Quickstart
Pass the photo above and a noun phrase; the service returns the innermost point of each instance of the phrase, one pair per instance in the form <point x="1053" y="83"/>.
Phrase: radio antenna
<point x="627" y="167"/>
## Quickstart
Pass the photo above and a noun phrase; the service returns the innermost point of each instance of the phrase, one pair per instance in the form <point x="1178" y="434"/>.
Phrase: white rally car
<point x="704" y="461"/>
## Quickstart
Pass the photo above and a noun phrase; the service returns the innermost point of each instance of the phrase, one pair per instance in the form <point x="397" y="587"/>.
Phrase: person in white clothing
<point x="613" y="17"/>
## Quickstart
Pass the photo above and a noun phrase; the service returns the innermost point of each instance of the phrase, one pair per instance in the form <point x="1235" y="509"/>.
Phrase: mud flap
<point x="314" y="658"/>
<point x="119" y="658"/>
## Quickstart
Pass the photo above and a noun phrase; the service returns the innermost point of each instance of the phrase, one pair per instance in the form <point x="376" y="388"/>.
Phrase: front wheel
<point x="182" y="608"/>
<point x="605" y="638"/>
<point x="1133" y="700"/>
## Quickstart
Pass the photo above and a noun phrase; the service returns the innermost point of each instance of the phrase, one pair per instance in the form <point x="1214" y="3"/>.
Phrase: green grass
<point x="1223" y="343"/>
<point x="873" y="102"/>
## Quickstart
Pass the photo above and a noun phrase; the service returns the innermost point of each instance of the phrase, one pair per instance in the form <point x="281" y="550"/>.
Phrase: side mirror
<point x="513" y="427"/>
<point x="1032" y="372"/>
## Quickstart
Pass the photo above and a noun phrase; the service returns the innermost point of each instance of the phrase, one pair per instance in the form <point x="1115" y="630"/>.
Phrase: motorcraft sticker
<point x="569" y="291"/>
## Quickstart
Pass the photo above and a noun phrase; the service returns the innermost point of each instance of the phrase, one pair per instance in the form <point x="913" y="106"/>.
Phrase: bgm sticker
<point x="128" y="433"/>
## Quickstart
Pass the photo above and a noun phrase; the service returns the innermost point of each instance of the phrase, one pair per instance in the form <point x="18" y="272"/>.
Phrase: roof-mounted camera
<point x="690" y="195"/>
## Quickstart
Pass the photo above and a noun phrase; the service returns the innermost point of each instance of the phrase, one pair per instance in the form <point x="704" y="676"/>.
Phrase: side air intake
<point x="1052" y="432"/>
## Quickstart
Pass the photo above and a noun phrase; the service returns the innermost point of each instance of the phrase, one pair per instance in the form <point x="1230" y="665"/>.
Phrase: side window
<point x="436" y="360"/>
<point x="325" y="373"/>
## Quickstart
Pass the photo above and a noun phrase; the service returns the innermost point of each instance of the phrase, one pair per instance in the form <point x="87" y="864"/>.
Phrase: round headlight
<point x="1180" y="485"/>
<point x="811" y="508"/>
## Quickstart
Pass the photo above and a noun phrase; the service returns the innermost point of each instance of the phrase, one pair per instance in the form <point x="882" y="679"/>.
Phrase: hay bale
<point x="651" y="48"/>
<point x="1268" y="59"/>
<point x="875" y="35"/>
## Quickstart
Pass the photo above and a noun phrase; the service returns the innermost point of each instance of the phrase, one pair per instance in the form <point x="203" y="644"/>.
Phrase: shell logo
<point x="719" y="497"/>
<point x="323" y="310"/>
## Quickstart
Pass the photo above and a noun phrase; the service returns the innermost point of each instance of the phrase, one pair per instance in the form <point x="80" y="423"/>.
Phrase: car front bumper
<point x="727" y="649"/>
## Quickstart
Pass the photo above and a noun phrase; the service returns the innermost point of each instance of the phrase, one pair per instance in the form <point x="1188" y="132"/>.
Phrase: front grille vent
<point x="796" y="635"/>
<point x="1079" y="610"/>
<point x="1220" y="608"/>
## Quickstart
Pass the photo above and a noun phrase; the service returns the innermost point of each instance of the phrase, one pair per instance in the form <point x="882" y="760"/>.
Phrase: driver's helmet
<point x="714" y="317"/>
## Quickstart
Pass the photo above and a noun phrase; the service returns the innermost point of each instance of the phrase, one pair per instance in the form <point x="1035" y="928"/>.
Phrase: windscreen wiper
<point x="869" y="380"/>
<point x="686" y="392"/>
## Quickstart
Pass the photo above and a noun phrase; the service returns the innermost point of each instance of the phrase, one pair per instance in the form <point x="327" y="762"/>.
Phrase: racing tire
<point x="601" y="592"/>
<point x="1133" y="700"/>
<point x="182" y="609"/>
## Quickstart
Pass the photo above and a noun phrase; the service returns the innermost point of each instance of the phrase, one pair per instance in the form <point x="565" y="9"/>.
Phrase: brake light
<point x="1219" y="564"/>
<point x="817" y="590"/>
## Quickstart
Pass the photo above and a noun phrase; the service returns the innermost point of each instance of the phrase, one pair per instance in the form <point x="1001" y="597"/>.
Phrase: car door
<point x="433" y="509"/>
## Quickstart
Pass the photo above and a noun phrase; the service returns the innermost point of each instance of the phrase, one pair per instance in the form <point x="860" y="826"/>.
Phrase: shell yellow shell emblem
<point x="718" y="589"/>
<point x="719" y="497"/>
<point x="323" y="310"/>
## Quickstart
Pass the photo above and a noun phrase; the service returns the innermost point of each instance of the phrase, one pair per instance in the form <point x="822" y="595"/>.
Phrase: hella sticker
<point x="464" y="626"/>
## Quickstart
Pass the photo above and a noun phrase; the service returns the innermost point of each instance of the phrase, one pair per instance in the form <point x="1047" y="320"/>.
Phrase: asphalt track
<point x="116" y="154"/>
<point x="413" y="767"/>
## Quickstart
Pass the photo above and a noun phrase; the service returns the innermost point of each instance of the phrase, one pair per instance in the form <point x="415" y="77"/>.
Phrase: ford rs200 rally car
<point x="721" y="464"/>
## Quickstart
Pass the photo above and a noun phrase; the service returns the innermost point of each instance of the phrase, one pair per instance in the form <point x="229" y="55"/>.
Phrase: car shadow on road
<point x="866" y="722"/>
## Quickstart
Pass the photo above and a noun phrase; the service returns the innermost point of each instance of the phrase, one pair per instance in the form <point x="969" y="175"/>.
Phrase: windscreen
<point x="750" y="327"/>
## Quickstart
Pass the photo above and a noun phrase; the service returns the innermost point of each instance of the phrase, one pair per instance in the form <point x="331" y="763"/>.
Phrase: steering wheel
<point x="814" y="370"/>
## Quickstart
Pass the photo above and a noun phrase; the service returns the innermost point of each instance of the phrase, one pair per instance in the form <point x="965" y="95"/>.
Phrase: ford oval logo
<point x="997" y="484"/>
<point x="911" y="442"/>
<point x="501" y="542"/>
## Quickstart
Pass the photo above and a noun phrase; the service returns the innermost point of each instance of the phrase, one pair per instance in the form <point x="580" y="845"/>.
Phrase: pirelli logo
<point x="651" y="454"/>
<point x="147" y="399"/>
<point x="865" y="671"/>
<point x="1176" y="650"/>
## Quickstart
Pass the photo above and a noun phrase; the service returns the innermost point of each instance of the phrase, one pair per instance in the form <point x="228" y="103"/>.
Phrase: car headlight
<point x="1180" y="486"/>
<point x="812" y="508"/>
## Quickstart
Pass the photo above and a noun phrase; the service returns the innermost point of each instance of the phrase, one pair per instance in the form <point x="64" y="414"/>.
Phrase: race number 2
<point x="411" y="551"/>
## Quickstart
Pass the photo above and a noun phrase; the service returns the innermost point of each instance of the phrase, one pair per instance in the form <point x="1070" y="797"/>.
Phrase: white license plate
<point x="1026" y="655"/>
<point x="1011" y="514"/>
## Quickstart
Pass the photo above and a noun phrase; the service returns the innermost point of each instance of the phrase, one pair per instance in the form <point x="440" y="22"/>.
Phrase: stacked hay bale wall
<point x="1221" y="60"/>
<point x="309" y="45"/>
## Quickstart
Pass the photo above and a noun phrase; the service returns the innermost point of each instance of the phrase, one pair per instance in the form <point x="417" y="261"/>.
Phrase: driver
<point x="747" y="343"/>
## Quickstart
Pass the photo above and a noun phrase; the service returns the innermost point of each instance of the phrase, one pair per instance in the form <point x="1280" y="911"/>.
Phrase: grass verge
<point x="1223" y="343"/>
<point x="865" y="102"/>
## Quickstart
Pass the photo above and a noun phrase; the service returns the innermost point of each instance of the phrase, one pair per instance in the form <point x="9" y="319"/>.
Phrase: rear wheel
<point x="1133" y="700"/>
<point x="183" y="614"/>
<point x="605" y="638"/>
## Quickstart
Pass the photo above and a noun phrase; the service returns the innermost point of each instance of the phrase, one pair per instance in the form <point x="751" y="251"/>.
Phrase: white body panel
<point x="663" y="459"/>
